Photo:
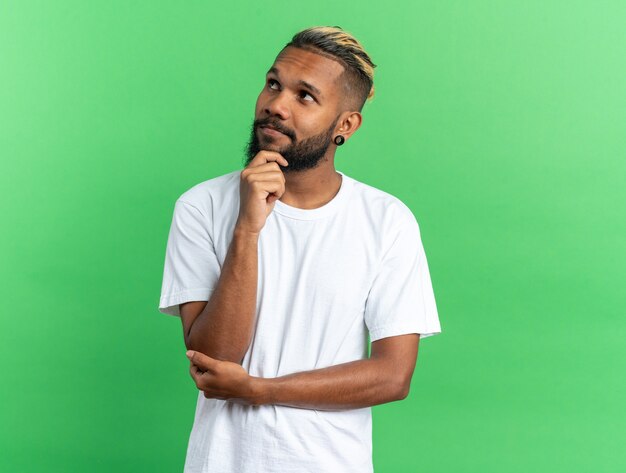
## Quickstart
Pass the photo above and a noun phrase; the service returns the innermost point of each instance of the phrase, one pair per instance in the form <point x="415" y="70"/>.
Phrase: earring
<point x="339" y="140"/>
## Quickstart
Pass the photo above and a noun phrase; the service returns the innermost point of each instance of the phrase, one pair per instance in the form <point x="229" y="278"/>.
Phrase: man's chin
<point x="273" y="147"/>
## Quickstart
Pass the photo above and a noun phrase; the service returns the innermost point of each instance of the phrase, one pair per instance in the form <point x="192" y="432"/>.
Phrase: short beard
<point x="306" y="154"/>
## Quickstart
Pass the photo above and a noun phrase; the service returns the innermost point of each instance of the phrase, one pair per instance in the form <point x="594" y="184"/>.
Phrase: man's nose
<point x="277" y="105"/>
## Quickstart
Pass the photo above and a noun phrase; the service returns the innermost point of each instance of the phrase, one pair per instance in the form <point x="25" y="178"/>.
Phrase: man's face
<point x="299" y="99"/>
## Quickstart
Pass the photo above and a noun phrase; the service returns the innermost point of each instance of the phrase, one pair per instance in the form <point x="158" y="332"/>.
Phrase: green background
<point x="500" y="124"/>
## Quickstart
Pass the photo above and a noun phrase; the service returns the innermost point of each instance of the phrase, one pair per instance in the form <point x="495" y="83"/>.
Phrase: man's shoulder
<point x="381" y="205"/>
<point x="214" y="192"/>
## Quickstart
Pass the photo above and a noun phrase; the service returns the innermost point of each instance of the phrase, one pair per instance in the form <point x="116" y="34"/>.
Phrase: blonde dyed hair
<point x="333" y="42"/>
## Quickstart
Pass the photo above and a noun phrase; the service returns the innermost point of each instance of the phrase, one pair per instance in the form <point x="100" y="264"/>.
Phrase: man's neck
<point x="312" y="188"/>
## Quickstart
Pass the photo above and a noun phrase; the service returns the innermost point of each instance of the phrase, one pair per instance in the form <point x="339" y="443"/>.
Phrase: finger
<point x="213" y="395"/>
<point x="193" y="371"/>
<point x="267" y="176"/>
<point x="269" y="166"/>
<point x="196" y="372"/>
<point x="265" y="156"/>
<point x="270" y="176"/>
<point x="251" y="172"/>
<point x="268" y="188"/>
<point x="201" y="360"/>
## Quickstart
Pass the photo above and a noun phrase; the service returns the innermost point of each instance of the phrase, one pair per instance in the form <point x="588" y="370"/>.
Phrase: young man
<point x="280" y="271"/>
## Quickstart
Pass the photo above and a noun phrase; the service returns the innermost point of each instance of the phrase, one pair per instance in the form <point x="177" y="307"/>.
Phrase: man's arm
<point x="384" y="377"/>
<point x="222" y="327"/>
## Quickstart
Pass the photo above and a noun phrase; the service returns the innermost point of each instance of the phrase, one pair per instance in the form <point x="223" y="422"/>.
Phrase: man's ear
<point x="348" y="123"/>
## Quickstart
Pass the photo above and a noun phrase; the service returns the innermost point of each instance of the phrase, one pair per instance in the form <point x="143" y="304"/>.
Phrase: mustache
<point x="275" y="125"/>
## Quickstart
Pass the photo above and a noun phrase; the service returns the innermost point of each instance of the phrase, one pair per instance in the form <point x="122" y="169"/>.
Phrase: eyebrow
<point x="301" y="82"/>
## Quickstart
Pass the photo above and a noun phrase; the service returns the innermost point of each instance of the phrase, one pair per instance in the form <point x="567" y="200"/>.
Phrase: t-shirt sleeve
<point x="401" y="299"/>
<point x="191" y="269"/>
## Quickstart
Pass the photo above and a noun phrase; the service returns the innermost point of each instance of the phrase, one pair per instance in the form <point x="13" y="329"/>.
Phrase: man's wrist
<point x="261" y="390"/>
<point x="241" y="232"/>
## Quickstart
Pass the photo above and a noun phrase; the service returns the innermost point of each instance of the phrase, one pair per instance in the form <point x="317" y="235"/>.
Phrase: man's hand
<point x="221" y="379"/>
<point x="382" y="378"/>
<point x="262" y="183"/>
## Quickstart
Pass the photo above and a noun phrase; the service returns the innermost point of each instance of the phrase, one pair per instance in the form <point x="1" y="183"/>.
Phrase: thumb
<point x="200" y="359"/>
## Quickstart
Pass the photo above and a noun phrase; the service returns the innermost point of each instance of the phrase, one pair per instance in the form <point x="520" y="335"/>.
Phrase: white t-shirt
<point x="326" y="277"/>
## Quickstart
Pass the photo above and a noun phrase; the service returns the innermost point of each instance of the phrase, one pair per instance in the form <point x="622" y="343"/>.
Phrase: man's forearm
<point x="224" y="328"/>
<point x="351" y="385"/>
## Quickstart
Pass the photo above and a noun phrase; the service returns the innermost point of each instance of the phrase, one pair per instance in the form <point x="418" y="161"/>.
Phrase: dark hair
<point x="333" y="42"/>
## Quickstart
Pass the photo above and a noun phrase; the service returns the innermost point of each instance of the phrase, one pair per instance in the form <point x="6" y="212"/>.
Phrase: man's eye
<point x="272" y="81"/>
<point x="306" y="93"/>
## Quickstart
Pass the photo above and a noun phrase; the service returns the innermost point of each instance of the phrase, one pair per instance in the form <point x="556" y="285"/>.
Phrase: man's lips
<point x="271" y="131"/>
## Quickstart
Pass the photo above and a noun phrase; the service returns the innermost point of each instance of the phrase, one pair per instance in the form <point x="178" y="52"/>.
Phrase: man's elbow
<point x="213" y="352"/>
<point x="403" y="392"/>
<point x="403" y="386"/>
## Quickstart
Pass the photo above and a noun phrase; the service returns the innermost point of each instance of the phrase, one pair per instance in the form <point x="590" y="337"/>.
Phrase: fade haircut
<point x="357" y="79"/>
